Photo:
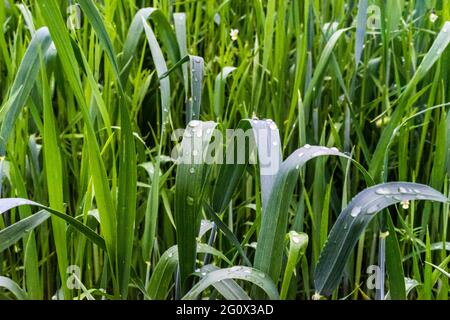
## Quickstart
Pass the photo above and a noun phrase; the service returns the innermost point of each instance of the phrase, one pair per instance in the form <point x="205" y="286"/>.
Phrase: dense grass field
<point x="94" y="203"/>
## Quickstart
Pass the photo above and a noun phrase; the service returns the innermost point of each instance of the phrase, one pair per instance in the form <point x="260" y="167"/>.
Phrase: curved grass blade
<point x="10" y="203"/>
<point x="409" y="285"/>
<point x="228" y="233"/>
<point x="228" y="288"/>
<point x="106" y="208"/>
<point x="12" y="286"/>
<point x="219" y="90"/>
<point x="321" y="66"/>
<point x="435" y="52"/>
<point x="252" y="275"/>
<point x="24" y="82"/>
<point x="361" y="22"/>
<point x="297" y="247"/>
<point x="352" y="222"/>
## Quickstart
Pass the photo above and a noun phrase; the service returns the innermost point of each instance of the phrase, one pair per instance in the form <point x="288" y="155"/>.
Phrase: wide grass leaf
<point x="252" y="275"/>
<point x="353" y="221"/>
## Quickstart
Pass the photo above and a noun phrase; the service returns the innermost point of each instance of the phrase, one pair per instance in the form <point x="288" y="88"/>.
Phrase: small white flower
<point x="234" y="34"/>
<point x="405" y="204"/>
<point x="433" y="17"/>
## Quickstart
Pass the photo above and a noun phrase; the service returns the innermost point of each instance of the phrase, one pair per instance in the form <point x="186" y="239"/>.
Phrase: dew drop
<point x="402" y="190"/>
<point x="273" y="126"/>
<point x="297" y="167"/>
<point x="192" y="170"/>
<point x="382" y="191"/>
<point x="335" y="149"/>
<point x="372" y="209"/>
<point x="199" y="133"/>
<point x="194" y="123"/>
<point x="208" y="131"/>
<point x="198" y="60"/>
<point x="170" y="255"/>
<point x="195" y="98"/>
<point x="307" y="146"/>
<point x="203" y="274"/>
<point x="195" y="79"/>
<point x="275" y="143"/>
<point x="166" y="110"/>
<point x="355" y="211"/>
<point x="248" y="271"/>
<point x="301" y="154"/>
<point x="190" y="201"/>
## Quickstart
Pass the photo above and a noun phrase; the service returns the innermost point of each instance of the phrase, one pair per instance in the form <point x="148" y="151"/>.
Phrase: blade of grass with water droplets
<point x="158" y="287"/>
<point x="192" y="172"/>
<point x="297" y="247"/>
<point x="252" y="275"/>
<point x="354" y="219"/>
<point x="275" y="214"/>
<point x="361" y="22"/>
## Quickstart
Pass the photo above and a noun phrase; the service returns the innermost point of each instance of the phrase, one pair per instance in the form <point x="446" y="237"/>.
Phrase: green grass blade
<point x="20" y="229"/>
<point x="275" y="218"/>
<point x="15" y="289"/>
<point x="237" y="272"/>
<point x="9" y="203"/>
<point x="352" y="222"/>
<point x="23" y="83"/>
<point x="191" y="175"/>
<point x="228" y="288"/>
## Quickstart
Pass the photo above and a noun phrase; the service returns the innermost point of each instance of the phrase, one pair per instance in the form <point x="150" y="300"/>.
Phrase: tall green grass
<point x="94" y="206"/>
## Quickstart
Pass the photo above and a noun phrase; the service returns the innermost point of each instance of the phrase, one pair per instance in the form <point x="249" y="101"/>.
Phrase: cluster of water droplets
<point x="397" y="194"/>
